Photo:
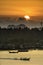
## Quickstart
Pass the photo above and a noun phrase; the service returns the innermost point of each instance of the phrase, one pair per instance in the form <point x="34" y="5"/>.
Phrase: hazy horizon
<point x="15" y="20"/>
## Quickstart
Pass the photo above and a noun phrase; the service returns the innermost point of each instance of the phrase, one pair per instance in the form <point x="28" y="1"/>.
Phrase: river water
<point x="36" y="58"/>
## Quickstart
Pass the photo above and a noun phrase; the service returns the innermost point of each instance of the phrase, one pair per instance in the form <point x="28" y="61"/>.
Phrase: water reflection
<point x="35" y="55"/>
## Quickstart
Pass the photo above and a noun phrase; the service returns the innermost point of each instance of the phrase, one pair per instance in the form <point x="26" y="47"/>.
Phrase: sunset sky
<point x="21" y="7"/>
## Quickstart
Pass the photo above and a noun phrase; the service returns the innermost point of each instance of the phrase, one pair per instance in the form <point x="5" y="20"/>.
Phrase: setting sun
<point x="27" y="17"/>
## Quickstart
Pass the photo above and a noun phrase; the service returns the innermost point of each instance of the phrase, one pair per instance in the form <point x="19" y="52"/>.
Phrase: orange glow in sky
<point x="21" y="7"/>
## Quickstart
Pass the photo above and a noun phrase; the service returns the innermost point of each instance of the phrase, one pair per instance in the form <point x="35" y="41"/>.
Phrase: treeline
<point x="21" y="39"/>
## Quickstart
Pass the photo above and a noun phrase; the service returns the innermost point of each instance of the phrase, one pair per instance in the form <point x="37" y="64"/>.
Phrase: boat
<point x="13" y="51"/>
<point x="25" y="59"/>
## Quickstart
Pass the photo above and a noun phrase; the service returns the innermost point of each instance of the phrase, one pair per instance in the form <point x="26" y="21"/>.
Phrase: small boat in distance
<point x="22" y="59"/>
<point x="25" y="59"/>
<point x="13" y="51"/>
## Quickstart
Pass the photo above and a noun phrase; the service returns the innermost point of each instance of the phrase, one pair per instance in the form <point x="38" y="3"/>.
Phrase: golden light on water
<point x="27" y="17"/>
